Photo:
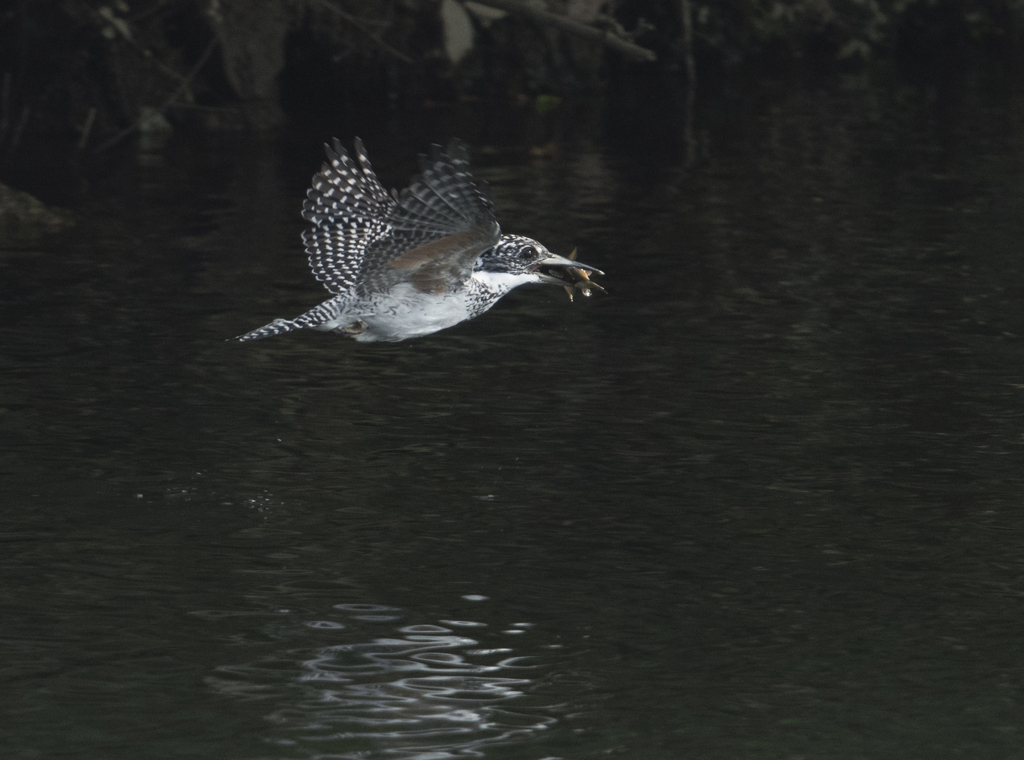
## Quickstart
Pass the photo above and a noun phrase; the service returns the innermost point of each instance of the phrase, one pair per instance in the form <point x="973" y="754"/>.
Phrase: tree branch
<point x="572" y="27"/>
<point x="186" y="81"/>
<point x="362" y="26"/>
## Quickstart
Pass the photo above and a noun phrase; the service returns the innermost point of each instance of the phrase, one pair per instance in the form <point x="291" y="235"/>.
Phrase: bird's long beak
<point x="554" y="261"/>
<point x="569" y="273"/>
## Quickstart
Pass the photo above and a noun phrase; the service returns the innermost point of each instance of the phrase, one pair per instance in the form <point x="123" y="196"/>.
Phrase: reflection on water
<point x="426" y="694"/>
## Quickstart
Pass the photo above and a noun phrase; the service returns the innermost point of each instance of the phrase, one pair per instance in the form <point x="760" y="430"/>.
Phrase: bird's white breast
<point x="406" y="312"/>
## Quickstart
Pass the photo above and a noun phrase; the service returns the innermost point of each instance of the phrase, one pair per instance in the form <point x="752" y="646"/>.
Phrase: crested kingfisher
<point x="403" y="265"/>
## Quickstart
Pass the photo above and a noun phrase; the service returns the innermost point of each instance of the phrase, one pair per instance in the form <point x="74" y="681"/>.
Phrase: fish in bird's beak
<point x="569" y="273"/>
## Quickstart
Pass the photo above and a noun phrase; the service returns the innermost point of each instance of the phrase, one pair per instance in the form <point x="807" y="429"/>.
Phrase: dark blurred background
<point x="81" y="78"/>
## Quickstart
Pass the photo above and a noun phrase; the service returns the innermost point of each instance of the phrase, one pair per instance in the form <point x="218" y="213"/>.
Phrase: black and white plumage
<point x="409" y="264"/>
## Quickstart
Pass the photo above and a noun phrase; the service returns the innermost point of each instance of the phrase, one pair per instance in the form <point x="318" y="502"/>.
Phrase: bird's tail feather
<point x="326" y="313"/>
<point x="276" y="327"/>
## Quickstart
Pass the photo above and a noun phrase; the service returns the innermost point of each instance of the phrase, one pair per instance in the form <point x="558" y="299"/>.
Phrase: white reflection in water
<point x="427" y="695"/>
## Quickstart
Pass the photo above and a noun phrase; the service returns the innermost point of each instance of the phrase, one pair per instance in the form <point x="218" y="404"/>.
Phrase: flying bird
<point x="403" y="265"/>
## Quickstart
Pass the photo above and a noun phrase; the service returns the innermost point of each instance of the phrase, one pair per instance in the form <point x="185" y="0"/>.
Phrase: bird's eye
<point x="528" y="254"/>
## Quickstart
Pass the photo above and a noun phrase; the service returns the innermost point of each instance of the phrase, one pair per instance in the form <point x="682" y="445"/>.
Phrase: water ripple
<point x="426" y="693"/>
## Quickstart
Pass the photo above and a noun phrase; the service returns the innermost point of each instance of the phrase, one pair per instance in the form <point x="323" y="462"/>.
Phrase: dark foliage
<point x="94" y="71"/>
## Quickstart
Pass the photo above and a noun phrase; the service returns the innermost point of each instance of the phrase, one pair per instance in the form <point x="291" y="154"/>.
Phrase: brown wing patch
<point x="431" y="281"/>
<point x="436" y="249"/>
<point x="440" y="265"/>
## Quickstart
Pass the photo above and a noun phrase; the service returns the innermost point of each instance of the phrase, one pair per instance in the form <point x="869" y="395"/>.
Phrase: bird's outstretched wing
<point x="348" y="208"/>
<point x="364" y="241"/>
<point x="442" y="223"/>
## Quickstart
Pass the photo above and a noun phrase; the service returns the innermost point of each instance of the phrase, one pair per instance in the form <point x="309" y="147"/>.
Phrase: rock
<point x="24" y="215"/>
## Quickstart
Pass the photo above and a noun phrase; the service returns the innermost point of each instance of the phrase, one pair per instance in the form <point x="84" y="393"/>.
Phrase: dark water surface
<point x="764" y="500"/>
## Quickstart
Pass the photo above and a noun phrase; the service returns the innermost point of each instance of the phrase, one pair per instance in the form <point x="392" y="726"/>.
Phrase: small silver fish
<point x="583" y="282"/>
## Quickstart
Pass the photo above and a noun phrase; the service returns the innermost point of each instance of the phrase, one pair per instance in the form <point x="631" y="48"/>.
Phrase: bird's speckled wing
<point x="439" y="227"/>
<point x="348" y="208"/>
<point x="364" y="241"/>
